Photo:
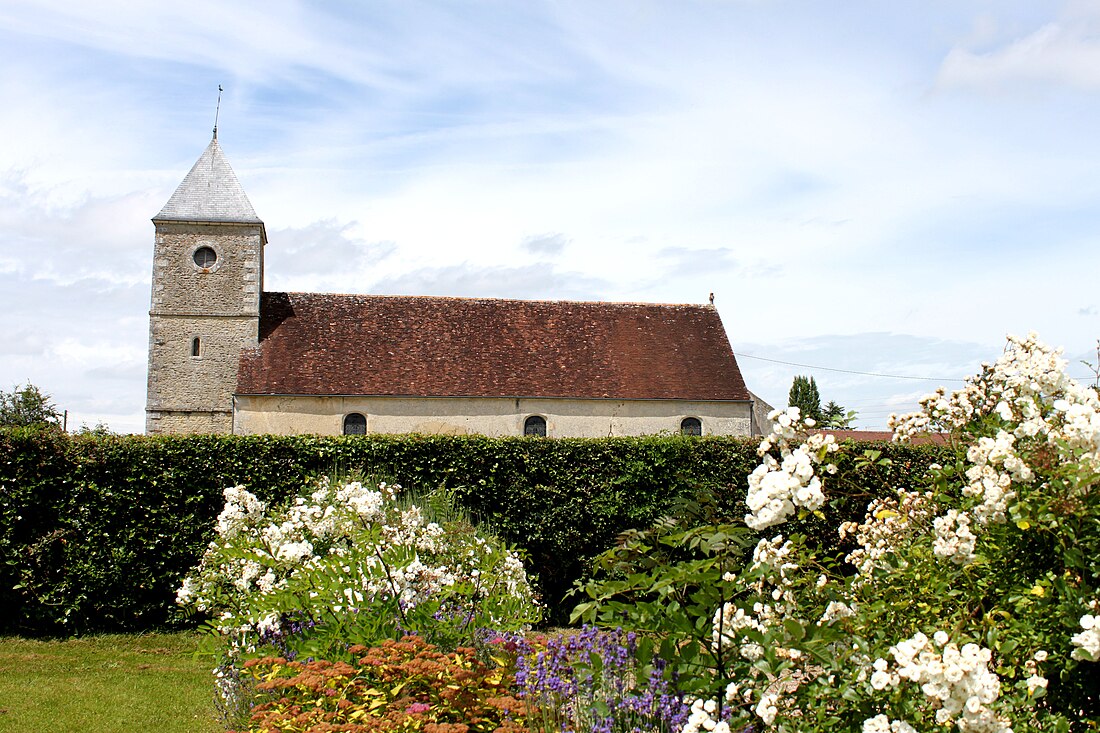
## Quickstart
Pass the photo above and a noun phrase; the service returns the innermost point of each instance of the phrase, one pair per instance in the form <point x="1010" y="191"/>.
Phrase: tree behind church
<point x="835" y="416"/>
<point x="27" y="406"/>
<point x="805" y="397"/>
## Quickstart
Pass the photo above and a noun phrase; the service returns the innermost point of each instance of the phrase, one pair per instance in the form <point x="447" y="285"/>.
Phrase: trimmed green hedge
<point x="96" y="532"/>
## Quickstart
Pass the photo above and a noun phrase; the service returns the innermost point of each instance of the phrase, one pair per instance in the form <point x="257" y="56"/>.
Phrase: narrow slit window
<point x="355" y="424"/>
<point x="196" y="348"/>
<point x="691" y="426"/>
<point x="535" y="426"/>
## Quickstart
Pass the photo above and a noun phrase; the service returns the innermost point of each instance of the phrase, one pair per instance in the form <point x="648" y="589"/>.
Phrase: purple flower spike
<point x="595" y="666"/>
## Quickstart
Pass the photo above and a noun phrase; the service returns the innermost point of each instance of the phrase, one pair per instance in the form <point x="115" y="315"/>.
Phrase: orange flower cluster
<point x="405" y="686"/>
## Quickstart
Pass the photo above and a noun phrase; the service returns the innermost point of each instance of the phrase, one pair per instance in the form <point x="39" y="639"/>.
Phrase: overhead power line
<point x="852" y="371"/>
<point x="1079" y="378"/>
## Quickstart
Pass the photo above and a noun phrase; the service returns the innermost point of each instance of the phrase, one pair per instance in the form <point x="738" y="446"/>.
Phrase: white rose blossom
<point x="957" y="681"/>
<point x="778" y="488"/>
<point x="954" y="540"/>
<point x="768" y="707"/>
<point x="835" y="611"/>
<point x="1033" y="416"/>
<point x="1087" y="642"/>
<point x="882" y="724"/>
<point x="887" y="522"/>
<point x="1030" y="391"/>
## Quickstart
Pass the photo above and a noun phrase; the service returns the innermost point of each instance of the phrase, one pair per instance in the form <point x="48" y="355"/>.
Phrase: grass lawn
<point x="104" y="684"/>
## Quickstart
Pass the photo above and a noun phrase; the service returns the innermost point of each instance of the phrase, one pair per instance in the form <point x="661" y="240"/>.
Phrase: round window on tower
<point x="205" y="257"/>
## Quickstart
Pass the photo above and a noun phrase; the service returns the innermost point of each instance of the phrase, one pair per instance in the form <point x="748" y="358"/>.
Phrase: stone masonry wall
<point x="218" y="305"/>
<point x="159" y="423"/>
<point x="231" y="287"/>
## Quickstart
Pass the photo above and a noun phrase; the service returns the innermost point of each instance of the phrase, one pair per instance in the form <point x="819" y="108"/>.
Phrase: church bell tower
<point x="207" y="282"/>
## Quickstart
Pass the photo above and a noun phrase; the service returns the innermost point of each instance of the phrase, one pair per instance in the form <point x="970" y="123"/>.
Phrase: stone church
<point x="226" y="356"/>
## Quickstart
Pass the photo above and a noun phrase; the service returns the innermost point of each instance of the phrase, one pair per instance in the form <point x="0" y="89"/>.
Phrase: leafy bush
<point x="346" y="563"/>
<point x="666" y="582"/>
<point x="405" y="685"/>
<point x="969" y="599"/>
<point x="98" y="531"/>
<point x="27" y="406"/>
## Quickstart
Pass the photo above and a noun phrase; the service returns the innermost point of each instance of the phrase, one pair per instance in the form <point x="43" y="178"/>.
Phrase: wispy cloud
<point x="539" y="281"/>
<point x="99" y="238"/>
<point x="321" y="256"/>
<point x="875" y="374"/>
<point x="711" y="262"/>
<point x="546" y="244"/>
<point x="818" y="181"/>
<point x="1061" y="52"/>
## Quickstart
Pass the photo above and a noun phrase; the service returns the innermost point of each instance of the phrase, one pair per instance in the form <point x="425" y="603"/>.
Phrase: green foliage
<point x="1094" y="367"/>
<point x="666" y="582"/>
<point x="405" y="685"/>
<point x="836" y="417"/>
<point x="346" y="562"/>
<point x="805" y="397"/>
<point x="100" y="430"/>
<point x="96" y="532"/>
<point x="28" y="407"/>
<point x="969" y="600"/>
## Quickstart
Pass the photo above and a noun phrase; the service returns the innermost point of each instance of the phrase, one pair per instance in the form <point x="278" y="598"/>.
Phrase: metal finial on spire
<point x="218" y="111"/>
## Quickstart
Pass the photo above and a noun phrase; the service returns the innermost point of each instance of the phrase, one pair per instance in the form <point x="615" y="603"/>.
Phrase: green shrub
<point x="405" y="685"/>
<point x="348" y="562"/>
<point x="98" y="531"/>
<point x="970" y="599"/>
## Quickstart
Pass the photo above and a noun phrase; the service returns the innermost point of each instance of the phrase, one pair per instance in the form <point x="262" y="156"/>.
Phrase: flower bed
<point x="348" y="564"/>
<point x="967" y="600"/>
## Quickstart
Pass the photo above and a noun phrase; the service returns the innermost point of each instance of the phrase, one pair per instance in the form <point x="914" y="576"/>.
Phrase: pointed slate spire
<point x="210" y="192"/>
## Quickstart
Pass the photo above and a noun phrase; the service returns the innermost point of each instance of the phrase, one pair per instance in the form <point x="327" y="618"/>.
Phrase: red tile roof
<point x="321" y="344"/>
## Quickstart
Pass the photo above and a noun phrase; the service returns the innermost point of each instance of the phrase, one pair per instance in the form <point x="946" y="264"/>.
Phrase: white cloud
<point x="1066" y="51"/>
<point x="321" y="256"/>
<point x="540" y="281"/>
<point x="812" y="168"/>
<point x="546" y="244"/>
<point x="80" y="352"/>
<point x="96" y="238"/>
<point x="690" y="262"/>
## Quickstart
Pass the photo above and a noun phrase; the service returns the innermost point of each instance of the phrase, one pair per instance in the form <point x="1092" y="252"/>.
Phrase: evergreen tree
<point x="805" y="397"/>
<point x="835" y="416"/>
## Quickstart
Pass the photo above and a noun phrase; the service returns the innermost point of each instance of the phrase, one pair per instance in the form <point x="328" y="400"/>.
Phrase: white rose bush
<point x="969" y="601"/>
<point x="350" y="563"/>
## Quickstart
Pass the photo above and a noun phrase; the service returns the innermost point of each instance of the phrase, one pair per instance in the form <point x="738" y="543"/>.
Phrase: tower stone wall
<point x="191" y="385"/>
<point x="208" y="270"/>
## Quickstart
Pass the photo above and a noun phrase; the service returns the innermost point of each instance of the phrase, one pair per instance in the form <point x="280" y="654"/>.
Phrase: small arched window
<point x="535" y="425"/>
<point x="691" y="426"/>
<point x="196" y="349"/>
<point x="355" y="424"/>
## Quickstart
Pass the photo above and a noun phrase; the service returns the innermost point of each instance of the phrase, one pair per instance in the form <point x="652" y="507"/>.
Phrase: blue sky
<point x="865" y="186"/>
